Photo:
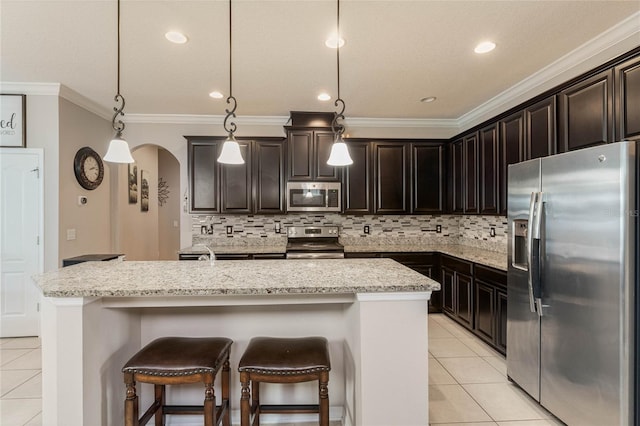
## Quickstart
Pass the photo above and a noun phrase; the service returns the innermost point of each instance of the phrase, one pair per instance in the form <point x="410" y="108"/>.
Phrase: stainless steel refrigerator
<point x="572" y="277"/>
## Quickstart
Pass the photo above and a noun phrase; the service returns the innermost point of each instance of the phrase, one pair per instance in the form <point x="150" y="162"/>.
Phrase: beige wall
<point x="169" y="212"/>
<point x="138" y="230"/>
<point x="92" y="223"/>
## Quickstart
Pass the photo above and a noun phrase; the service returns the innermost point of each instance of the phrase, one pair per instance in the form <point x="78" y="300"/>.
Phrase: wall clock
<point x="88" y="168"/>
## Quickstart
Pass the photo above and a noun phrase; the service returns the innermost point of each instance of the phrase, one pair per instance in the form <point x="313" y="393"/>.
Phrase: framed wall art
<point x="144" y="191"/>
<point x="13" y="123"/>
<point x="133" y="183"/>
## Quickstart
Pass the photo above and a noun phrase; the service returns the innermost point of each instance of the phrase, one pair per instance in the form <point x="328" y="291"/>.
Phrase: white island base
<point x="378" y="344"/>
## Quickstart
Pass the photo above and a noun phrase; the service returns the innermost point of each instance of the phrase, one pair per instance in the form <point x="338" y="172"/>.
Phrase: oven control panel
<point x="313" y="231"/>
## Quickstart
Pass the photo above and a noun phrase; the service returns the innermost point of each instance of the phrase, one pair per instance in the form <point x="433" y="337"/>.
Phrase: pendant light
<point x="118" y="151"/>
<point x="339" y="152"/>
<point x="230" y="153"/>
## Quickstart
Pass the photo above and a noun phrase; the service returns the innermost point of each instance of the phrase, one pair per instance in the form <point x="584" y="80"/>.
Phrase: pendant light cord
<point x="231" y="112"/>
<point x="335" y="127"/>
<point x="119" y="125"/>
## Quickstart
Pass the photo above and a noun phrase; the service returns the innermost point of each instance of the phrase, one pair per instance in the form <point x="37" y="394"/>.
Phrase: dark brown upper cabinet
<point x="586" y="113"/>
<point x="471" y="173"/>
<point x="428" y="178"/>
<point x="627" y="88"/>
<point x="357" y="194"/>
<point x="540" y="129"/>
<point x="204" y="178"/>
<point x="309" y="151"/>
<point x="456" y="173"/>
<point x="489" y="170"/>
<point x="511" y="133"/>
<point x="269" y="176"/>
<point x="257" y="186"/>
<point x="235" y="183"/>
<point x="391" y="177"/>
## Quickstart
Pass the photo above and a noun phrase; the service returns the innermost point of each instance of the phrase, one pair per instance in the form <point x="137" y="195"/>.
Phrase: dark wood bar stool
<point x="175" y="361"/>
<point x="283" y="360"/>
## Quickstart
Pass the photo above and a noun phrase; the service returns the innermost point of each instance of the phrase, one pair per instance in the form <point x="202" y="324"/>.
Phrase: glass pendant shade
<point x="230" y="152"/>
<point x="118" y="151"/>
<point x="339" y="154"/>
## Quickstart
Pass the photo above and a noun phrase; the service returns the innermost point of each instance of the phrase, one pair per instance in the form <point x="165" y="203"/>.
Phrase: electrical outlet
<point x="229" y="229"/>
<point x="492" y="232"/>
<point x="71" y="234"/>
<point x="438" y="229"/>
<point x="366" y="229"/>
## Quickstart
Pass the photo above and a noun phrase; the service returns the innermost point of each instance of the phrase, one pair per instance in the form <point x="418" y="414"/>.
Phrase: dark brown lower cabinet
<point x="491" y="306"/>
<point x="457" y="296"/>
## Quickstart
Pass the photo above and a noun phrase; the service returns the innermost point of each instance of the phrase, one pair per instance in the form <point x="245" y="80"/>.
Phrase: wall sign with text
<point x="13" y="121"/>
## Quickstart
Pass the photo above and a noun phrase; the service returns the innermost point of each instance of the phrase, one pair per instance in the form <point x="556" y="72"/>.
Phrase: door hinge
<point x="38" y="306"/>
<point x="38" y="240"/>
<point x="37" y="170"/>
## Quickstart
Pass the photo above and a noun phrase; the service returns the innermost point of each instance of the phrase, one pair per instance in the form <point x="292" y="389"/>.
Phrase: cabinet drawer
<point x="457" y="265"/>
<point x="491" y="276"/>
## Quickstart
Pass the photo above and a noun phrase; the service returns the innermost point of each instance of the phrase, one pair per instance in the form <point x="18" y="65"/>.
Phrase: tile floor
<point x="467" y="382"/>
<point x="20" y="382"/>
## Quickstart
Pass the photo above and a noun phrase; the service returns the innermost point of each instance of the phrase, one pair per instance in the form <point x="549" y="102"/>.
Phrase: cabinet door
<point x="484" y="311"/>
<point x="203" y="176"/>
<point x="586" y="113"/>
<point x="457" y="176"/>
<point x="323" y="142"/>
<point x="236" y="183"/>
<point x="540" y="136"/>
<point x="627" y="84"/>
<point x="464" y="299"/>
<point x="471" y="173"/>
<point x="300" y="155"/>
<point x="488" y="188"/>
<point x="501" y="321"/>
<point x="391" y="177"/>
<point x="269" y="179"/>
<point x="357" y="179"/>
<point x="511" y="151"/>
<point x="427" y="189"/>
<point x="447" y="290"/>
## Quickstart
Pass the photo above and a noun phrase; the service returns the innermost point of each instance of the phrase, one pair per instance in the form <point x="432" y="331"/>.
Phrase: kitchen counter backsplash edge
<point x="470" y="250"/>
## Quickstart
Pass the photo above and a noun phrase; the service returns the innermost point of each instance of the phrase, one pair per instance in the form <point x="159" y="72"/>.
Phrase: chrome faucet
<point x="211" y="257"/>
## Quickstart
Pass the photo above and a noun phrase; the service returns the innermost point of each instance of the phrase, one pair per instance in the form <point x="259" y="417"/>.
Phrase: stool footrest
<point x="288" y="408"/>
<point x="183" y="409"/>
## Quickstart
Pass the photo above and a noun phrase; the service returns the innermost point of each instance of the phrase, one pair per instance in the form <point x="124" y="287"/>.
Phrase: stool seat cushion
<point x="286" y="356"/>
<point x="179" y="356"/>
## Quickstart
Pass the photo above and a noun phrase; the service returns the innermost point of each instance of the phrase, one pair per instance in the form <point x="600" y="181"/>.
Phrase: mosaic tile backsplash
<point x="474" y="231"/>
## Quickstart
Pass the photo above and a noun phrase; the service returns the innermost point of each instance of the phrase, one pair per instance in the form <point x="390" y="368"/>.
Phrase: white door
<point x="21" y="254"/>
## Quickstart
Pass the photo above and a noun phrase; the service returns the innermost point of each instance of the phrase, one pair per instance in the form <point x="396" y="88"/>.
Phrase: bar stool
<point x="175" y="361"/>
<point x="283" y="360"/>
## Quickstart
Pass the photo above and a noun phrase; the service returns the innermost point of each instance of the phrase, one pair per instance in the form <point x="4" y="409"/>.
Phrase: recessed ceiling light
<point x="333" y="41"/>
<point x="324" y="97"/>
<point x="176" y="37"/>
<point x="428" y="99"/>
<point x="484" y="47"/>
<point x="216" y="95"/>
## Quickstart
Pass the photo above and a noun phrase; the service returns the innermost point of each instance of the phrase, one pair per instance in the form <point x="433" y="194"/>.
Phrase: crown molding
<point x="32" y="89"/>
<point x="84" y="102"/>
<point x="571" y="63"/>
<point x="402" y="123"/>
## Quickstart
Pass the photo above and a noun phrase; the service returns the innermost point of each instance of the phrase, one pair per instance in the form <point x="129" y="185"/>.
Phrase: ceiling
<point x="396" y="51"/>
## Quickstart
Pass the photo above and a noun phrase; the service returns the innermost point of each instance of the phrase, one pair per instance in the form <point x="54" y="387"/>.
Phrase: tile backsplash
<point x="388" y="229"/>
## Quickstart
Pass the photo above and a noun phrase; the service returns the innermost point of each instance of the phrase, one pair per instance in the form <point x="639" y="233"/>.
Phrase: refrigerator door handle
<point x="536" y="240"/>
<point x="530" y="260"/>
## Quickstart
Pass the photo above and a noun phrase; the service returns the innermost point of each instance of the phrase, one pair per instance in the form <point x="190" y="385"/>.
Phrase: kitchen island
<point x="373" y="312"/>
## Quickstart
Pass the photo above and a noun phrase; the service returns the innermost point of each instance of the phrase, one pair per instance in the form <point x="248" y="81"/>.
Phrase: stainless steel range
<point x="314" y="242"/>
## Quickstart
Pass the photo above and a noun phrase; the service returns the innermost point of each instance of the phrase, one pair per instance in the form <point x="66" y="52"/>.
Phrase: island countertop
<point x="236" y="277"/>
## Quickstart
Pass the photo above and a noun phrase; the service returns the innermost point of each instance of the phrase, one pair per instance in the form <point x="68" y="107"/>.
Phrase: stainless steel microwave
<point x="314" y="196"/>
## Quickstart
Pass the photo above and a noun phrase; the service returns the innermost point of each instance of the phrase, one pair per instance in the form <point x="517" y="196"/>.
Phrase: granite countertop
<point x="485" y="257"/>
<point x="232" y="277"/>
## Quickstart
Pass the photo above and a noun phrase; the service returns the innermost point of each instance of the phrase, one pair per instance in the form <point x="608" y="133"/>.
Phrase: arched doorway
<point x="149" y="199"/>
